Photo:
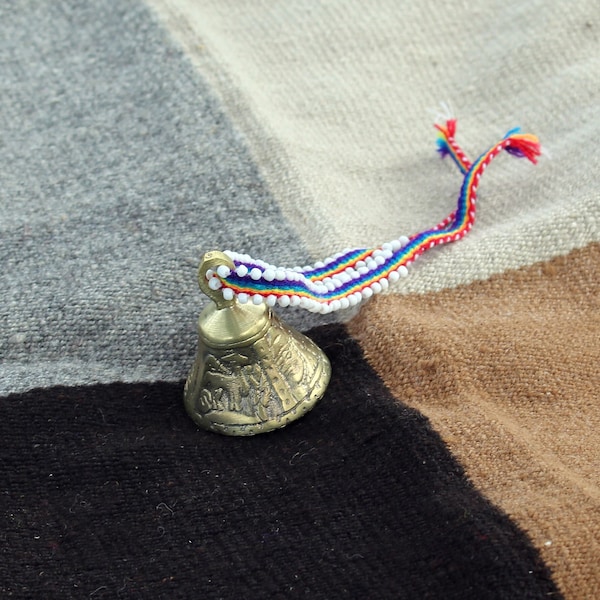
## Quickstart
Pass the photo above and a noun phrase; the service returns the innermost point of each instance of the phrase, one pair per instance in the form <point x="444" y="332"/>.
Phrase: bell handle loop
<point x="210" y="261"/>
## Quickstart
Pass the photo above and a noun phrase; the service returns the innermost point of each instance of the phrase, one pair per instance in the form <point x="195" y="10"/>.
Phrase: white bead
<point x="393" y="276"/>
<point x="227" y="294"/>
<point x="223" y="271"/>
<point x="284" y="301"/>
<point x="380" y="260"/>
<point x="367" y="292"/>
<point x="376" y="287"/>
<point x="319" y="264"/>
<point x="344" y="303"/>
<point x="242" y="271"/>
<point x="271" y="300"/>
<point x="209" y="273"/>
<point x="329" y="285"/>
<point x="386" y="247"/>
<point x="341" y="278"/>
<point x="294" y="300"/>
<point x="214" y="283"/>
<point x="255" y="273"/>
<point x="280" y="274"/>
<point x="325" y="309"/>
<point x="402" y="271"/>
<point x="242" y="298"/>
<point x="363" y="270"/>
<point x="403" y="241"/>
<point x="269" y="274"/>
<point x="384" y="283"/>
<point x="396" y="245"/>
<point x="335" y="305"/>
<point x="352" y="301"/>
<point x="359" y="264"/>
<point x="387" y="254"/>
<point x="257" y="299"/>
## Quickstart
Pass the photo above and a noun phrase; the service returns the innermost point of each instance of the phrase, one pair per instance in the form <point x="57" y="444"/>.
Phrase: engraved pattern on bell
<point x="253" y="373"/>
<point x="251" y="389"/>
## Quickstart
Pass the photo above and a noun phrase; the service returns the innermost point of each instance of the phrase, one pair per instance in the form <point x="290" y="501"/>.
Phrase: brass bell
<point x="253" y="373"/>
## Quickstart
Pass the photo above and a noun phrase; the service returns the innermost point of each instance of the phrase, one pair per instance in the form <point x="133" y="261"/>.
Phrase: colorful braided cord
<point x="352" y="275"/>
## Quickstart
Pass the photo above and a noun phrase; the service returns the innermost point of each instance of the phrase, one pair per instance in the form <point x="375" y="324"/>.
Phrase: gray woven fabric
<point x="118" y="169"/>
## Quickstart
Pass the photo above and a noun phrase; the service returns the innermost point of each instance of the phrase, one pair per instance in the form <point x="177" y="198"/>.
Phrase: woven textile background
<point x="456" y="451"/>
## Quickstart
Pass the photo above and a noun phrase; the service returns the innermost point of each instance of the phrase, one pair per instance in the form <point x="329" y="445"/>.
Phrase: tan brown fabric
<point x="507" y="372"/>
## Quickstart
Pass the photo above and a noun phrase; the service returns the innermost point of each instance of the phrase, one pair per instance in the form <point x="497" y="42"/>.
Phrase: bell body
<point x="252" y="373"/>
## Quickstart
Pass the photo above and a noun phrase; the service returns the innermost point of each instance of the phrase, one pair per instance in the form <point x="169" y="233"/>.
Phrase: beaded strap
<point x="350" y="276"/>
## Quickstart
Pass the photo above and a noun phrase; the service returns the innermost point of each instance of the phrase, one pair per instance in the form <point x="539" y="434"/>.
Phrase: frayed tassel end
<point x="446" y="132"/>
<point x="524" y="145"/>
<point x="442" y="147"/>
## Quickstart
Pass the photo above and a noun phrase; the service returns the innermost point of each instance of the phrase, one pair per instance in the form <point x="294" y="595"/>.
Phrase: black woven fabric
<point x="112" y="492"/>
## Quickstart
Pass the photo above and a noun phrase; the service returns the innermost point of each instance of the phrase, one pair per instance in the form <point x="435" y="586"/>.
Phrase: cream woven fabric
<point x="337" y="100"/>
